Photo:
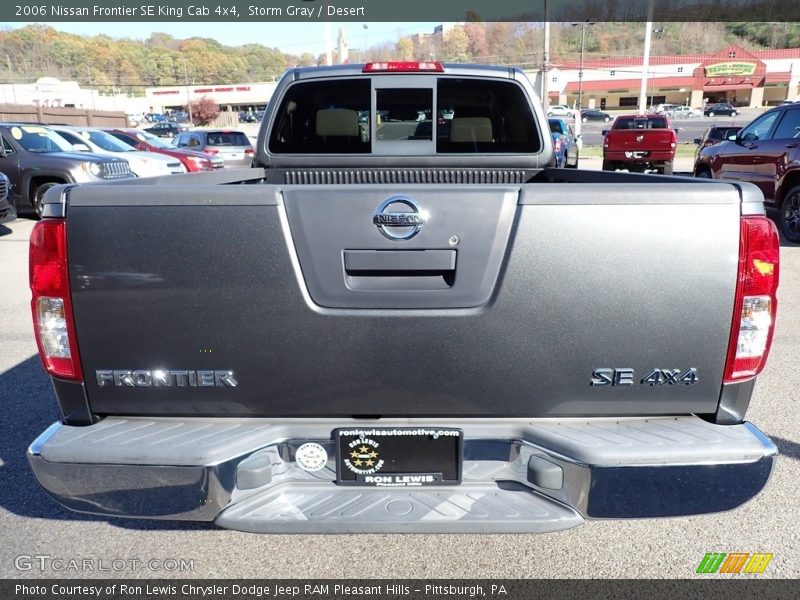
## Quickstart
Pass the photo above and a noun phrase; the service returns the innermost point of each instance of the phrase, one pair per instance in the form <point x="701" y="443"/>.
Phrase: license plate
<point x="399" y="457"/>
<point x="234" y="156"/>
<point x="636" y="154"/>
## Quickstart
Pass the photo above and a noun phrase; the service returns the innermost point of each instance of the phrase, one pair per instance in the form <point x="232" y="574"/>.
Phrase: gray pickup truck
<point x="402" y="319"/>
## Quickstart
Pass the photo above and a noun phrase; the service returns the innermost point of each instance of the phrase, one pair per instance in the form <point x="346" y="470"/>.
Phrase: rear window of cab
<point x="452" y="115"/>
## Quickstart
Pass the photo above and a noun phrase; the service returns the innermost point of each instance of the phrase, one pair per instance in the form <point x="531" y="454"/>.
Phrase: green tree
<point x="455" y="47"/>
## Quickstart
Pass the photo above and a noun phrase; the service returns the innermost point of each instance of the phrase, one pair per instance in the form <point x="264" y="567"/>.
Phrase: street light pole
<point x="364" y="51"/>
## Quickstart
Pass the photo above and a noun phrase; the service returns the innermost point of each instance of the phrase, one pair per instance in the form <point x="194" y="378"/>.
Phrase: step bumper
<point x="519" y="475"/>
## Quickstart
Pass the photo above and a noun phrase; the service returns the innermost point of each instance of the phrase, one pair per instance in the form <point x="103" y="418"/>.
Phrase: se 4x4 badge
<point x="603" y="377"/>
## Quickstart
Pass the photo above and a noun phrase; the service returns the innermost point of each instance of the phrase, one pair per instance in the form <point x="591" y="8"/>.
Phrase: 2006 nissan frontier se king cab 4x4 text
<point x="401" y="319"/>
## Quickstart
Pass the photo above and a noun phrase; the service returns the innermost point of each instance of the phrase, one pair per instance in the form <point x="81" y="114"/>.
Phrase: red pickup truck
<point x="641" y="142"/>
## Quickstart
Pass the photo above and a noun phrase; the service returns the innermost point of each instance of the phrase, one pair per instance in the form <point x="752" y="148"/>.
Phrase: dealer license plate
<point x="399" y="457"/>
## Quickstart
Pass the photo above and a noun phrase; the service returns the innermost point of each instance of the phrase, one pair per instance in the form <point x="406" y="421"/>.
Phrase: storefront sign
<point x="731" y="68"/>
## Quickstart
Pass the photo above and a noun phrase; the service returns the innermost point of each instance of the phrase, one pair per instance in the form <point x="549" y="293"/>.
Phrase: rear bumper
<point x="652" y="157"/>
<point x="519" y="475"/>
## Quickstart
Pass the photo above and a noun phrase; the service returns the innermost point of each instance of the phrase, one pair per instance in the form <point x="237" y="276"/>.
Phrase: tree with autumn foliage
<point x="204" y="111"/>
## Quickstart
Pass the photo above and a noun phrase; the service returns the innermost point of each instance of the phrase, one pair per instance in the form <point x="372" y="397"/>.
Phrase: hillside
<point x="100" y="61"/>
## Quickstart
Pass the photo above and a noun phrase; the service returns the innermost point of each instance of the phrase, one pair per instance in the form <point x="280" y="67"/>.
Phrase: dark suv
<point x="714" y="135"/>
<point x="765" y="152"/>
<point x="35" y="158"/>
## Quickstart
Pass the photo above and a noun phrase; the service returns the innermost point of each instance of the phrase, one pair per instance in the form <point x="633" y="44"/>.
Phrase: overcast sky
<point x="292" y="38"/>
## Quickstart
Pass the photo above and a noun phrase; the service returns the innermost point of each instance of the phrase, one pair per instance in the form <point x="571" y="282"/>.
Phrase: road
<point x="33" y="525"/>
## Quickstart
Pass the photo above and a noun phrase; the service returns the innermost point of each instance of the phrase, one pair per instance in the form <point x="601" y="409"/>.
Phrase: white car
<point x="559" y="110"/>
<point x="143" y="164"/>
<point x="684" y="112"/>
<point x="663" y="108"/>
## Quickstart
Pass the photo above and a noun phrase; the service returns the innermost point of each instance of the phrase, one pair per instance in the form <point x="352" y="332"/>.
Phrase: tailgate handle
<point x="418" y="270"/>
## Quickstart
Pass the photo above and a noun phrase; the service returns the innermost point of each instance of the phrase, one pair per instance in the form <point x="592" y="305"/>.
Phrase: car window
<point x="38" y="139"/>
<point x="180" y="140"/>
<point x="640" y="123"/>
<point x="488" y="117"/>
<point x="319" y="118"/>
<point x="124" y="138"/>
<point x="226" y="138"/>
<point x="759" y="129"/>
<point x="7" y="146"/>
<point x="106" y="141"/>
<point x="789" y="126"/>
<point x="71" y="138"/>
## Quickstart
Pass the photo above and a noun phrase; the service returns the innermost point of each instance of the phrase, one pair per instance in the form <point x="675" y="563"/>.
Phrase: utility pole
<point x="648" y="32"/>
<point x="188" y="97"/>
<point x="364" y="51"/>
<point x="583" y="26"/>
<point x="545" y="60"/>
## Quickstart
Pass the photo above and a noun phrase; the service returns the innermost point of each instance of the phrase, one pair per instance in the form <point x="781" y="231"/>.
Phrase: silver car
<point x="232" y="146"/>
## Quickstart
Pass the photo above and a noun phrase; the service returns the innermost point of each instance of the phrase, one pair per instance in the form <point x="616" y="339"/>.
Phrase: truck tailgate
<point x="504" y="303"/>
<point x="637" y="140"/>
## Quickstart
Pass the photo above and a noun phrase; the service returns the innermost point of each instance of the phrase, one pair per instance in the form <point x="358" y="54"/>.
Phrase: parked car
<point x="565" y="144"/>
<point x="766" y="152"/>
<point x="560" y="110"/>
<point x="155" y="117"/>
<point x="714" y="135"/>
<point x="640" y="142"/>
<point x="465" y="344"/>
<point x="7" y="210"/>
<point x="167" y="129"/>
<point x="34" y="158"/>
<point x="232" y="146"/>
<point x="720" y="108"/>
<point x="246" y="117"/>
<point x="684" y="112"/>
<point x="193" y="161"/>
<point x="591" y="114"/>
<point x="664" y="107"/>
<point x="144" y="164"/>
<point x="135" y="119"/>
<point x="178" y="116"/>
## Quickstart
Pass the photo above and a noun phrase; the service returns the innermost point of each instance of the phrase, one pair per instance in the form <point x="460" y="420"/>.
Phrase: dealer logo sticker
<point x="363" y="456"/>
<point x="311" y="457"/>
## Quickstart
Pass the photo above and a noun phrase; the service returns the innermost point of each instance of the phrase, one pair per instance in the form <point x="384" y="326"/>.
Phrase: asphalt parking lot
<point x="34" y="525"/>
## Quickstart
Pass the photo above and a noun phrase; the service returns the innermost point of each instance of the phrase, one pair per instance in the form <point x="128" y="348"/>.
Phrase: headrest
<point x="337" y="122"/>
<point x="471" y="129"/>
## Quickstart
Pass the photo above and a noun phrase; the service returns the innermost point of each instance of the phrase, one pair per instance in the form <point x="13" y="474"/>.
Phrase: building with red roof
<point x="733" y="74"/>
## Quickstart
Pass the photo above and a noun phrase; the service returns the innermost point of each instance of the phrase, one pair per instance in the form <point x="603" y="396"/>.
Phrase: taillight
<point x="198" y="163"/>
<point x="403" y="66"/>
<point x="208" y="150"/>
<point x="53" y="321"/>
<point x="755" y="304"/>
<point x="557" y="144"/>
<point x="249" y="152"/>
